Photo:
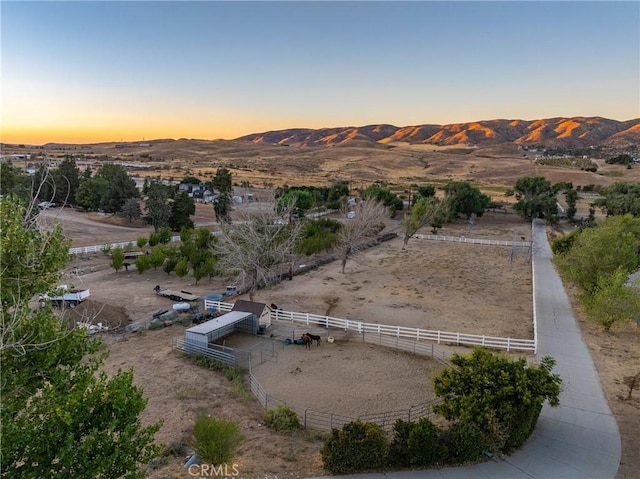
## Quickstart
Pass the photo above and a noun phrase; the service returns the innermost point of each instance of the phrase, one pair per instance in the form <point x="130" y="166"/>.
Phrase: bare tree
<point x="362" y="224"/>
<point x="255" y="249"/>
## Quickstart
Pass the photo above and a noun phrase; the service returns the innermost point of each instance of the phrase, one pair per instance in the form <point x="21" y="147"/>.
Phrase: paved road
<point x="579" y="439"/>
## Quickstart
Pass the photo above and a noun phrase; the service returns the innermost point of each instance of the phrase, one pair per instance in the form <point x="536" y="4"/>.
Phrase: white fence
<point x="110" y="246"/>
<point x="417" y="334"/>
<point x="462" y="239"/>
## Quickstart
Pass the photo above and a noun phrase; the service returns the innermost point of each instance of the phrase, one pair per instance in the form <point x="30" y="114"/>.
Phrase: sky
<point x="81" y="72"/>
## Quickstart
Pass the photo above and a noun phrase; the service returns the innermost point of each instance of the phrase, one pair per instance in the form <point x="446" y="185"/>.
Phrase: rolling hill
<point x="573" y="132"/>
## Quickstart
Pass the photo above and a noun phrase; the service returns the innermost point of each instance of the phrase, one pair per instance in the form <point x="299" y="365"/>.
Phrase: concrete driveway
<point x="579" y="439"/>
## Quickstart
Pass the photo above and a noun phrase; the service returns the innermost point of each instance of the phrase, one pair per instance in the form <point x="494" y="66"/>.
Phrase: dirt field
<point x="453" y="287"/>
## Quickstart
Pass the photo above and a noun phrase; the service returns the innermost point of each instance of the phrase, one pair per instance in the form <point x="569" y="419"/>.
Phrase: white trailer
<point x="65" y="296"/>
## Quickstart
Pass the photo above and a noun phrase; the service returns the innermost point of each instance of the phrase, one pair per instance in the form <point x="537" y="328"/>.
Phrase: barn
<point x="261" y="310"/>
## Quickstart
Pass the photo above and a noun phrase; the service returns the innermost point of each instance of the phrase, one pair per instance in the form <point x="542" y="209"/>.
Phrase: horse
<point x="306" y="340"/>
<point x="315" y="338"/>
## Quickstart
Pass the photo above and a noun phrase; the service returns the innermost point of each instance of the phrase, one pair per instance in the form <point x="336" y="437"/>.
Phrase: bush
<point x="281" y="418"/>
<point x="399" y="447"/>
<point x="164" y="235"/>
<point x="216" y="440"/>
<point x="465" y="442"/>
<point x="357" y="447"/>
<point x="143" y="263"/>
<point x="423" y="443"/>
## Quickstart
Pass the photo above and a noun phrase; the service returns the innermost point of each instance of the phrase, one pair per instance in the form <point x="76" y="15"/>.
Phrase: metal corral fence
<point x="217" y="352"/>
<point x="462" y="239"/>
<point x="325" y="421"/>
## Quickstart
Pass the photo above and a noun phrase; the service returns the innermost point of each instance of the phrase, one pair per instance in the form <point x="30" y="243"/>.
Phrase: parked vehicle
<point x="46" y="204"/>
<point x="64" y="296"/>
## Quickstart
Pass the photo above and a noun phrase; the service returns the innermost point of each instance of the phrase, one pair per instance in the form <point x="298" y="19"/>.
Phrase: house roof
<point x="249" y="307"/>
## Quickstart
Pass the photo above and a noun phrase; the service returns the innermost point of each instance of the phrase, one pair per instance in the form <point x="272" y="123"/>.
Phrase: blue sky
<point x="100" y="71"/>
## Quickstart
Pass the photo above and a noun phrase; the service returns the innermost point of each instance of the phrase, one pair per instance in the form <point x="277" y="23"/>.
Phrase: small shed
<point x="199" y="337"/>
<point x="260" y="310"/>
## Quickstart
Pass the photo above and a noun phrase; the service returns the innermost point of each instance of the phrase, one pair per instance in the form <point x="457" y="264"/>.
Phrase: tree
<point x="157" y="205"/>
<point x="222" y="180"/>
<point x="500" y="395"/>
<point x="536" y="197"/>
<point x="465" y="199"/>
<point x="222" y="207"/>
<point x="67" y="181"/>
<point x="91" y="192"/>
<point x="571" y="196"/>
<point x="359" y="231"/>
<point x="215" y="440"/>
<point x="117" y="259"/>
<point x="384" y="196"/>
<point x="61" y="416"/>
<point x="181" y="209"/>
<point x="14" y="182"/>
<point x="620" y="199"/>
<point x="191" y="180"/>
<point x="421" y="214"/>
<point x="598" y="252"/>
<point x="613" y="300"/>
<point x="131" y="209"/>
<point x="121" y="187"/>
<point x="302" y="200"/>
<point x="254" y="251"/>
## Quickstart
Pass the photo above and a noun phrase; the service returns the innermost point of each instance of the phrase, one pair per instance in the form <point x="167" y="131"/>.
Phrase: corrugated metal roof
<point x="220" y="322"/>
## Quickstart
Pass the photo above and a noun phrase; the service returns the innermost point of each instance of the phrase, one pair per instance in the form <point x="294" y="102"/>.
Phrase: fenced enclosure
<point x="324" y="421"/>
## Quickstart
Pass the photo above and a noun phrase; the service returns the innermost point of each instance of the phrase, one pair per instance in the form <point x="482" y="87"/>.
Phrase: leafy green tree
<point x="613" y="300"/>
<point x="117" y="259"/>
<point x="142" y="241"/>
<point x="620" y="199"/>
<point x="121" y="187"/>
<point x="357" y="447"/>
<point x="426" y="191"/>
<point x="222" y="181"/>
<point x="191" y="180"/>
<point x="67" y="181"/>
<point x="182" y="268"/>
<point x="222" y="207"/>
<point x="317" y="236"/>
<point x="598" y="252"/>
<point x="181" y="210"/>
<point x="91" y="192"/>
<point x="502" y="396"/>
<point x="465" y="199"/>
<point x="215" y="440"/>
<point x="157" y="206"/>
<point x="536" y="197"/>
<point x="384" y="196"/>
<point x="131" y="209"/>
<point x="61" y="415"/>
<point x="571" y="196"/>
<point x="421" y="214"/>
<point x="302" y="200"/>
<point x="14" y="182"/>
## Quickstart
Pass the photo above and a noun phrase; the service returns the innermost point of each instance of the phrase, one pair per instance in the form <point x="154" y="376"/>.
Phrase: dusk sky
<point x="112" y="71"/>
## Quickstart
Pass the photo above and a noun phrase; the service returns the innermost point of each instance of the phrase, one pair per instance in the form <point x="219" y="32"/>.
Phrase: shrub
<point x="399" y="447"/>
<point x="154" y="239"/>
<point x="281" y="418"/>
<point x="142" y="242"/>
<point x="357" y="447"/>
<point x="143" y="263"/>
<point x="216" y="440"/>
<point x="423" y="443"/>
<point x="106" y="248"/>
<point x="164" y="235"/>
<point x="465" y="442"/>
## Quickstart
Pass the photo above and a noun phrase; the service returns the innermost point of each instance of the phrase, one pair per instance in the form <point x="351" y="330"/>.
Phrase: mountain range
<point x="558" y="132"/>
